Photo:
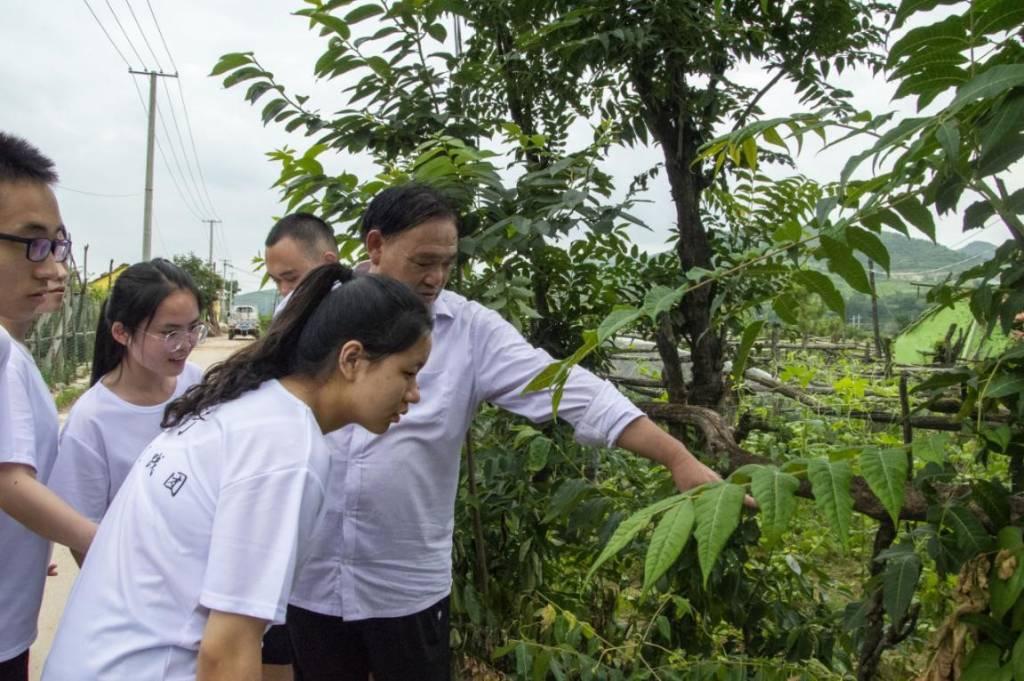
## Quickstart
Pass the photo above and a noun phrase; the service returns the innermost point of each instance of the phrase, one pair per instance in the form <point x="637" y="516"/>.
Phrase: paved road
<point x="57" y="588"/>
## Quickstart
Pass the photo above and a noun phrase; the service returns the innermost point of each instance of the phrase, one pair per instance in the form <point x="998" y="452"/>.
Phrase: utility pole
<point x="210" y="261"/>
<point x="227" y="287"/>
<point x="147" y="212"/>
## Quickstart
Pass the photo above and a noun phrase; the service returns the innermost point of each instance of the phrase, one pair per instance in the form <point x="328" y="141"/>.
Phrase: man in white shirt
<point x="296" y="244"/>
<point x="373" y="599"/>
<point x="33" y="247"/>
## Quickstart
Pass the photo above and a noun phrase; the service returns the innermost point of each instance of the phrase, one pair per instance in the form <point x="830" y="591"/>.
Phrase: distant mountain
<point x="920" y="259"/>
<point x="982" y="249"/>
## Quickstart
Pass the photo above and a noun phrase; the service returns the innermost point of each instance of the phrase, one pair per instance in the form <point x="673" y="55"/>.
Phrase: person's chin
<point x="176" y="366"/>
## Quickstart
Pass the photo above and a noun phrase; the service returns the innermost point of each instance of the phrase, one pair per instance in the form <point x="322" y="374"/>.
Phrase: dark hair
<point x="20" y="162"/>
<point x="133" y="299"/>
<point x="379" y="312"/>
<point x="397" y="209"/>
<point x="308" y="230"/>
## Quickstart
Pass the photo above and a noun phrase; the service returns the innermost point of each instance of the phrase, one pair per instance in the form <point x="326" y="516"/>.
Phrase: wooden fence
<point x="62" y="342"/>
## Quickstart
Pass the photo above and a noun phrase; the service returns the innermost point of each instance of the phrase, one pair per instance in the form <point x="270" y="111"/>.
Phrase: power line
<point x="161" y="34"/>
<point x="163" y="158"/>
<point x="184" y="151"/>
<point x="106" y="196"/>
<point x="144" y="38"/>
<point x="201" y="185"/>
<point x="125" y="34"/>
<point x="112" y="43"/>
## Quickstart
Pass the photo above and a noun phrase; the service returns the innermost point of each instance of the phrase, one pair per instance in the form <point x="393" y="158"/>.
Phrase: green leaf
<point x="983" y="665"/>
<point x="789" y="231"/>
<point x="995" y="16"/>
<point x="1017" y="658"/>
<point x="243" y="74"/>
<point x="617" y="319"/>
<point x="363" y="12"/>
<point x="988" y="84"/>
<point x="1005" y="592"/>
<point x="1003" y="385"/>
<point x="977" y="214"/>
<point x="661" y="299"/>
<point x="869" y="244"/>
<point x="544" y="379"/>
<point x="949" y="137"/>
<point x="841" y="261"/>
<point x="785" y="307"/>
<point x="750" y="334"/>
<point x="537" y="457"/>
<point x="967" y="530"/>
<point x="930" y="448"/>
<point x="272" y="109"/>
<point x="668" y="540"/>
<point x="947" y="35"/>
<point x="231" y="61"/>
<point x="1007" y="120"/>
<point x="908" y="7"/>
<point x="819" y="283"/>
<point x="1001" y="157"/>
<point x="718" y="514"/>
<point x="830" y="483"/>
<point x="916" y="214"/>
<point x="886" y="473"/>
<point x="775" y="493"/>
<point x="623" y="534"/>
<point x="898" y="584"/>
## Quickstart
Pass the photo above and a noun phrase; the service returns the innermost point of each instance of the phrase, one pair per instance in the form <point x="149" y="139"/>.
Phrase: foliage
<point x="209" y="283"/>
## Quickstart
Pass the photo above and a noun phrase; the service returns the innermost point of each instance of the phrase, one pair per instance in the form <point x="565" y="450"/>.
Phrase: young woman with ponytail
<point x="198" y="552"/>
<point x="148" y="326"/>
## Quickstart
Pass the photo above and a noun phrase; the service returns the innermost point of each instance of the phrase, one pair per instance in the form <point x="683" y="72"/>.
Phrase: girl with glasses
<point x="198" y="552"/>
<point x="148" y="326"/>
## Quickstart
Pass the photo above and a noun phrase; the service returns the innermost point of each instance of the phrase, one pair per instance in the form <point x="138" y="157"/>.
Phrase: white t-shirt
<point x="214" y="515"/>
<point x="6" y="440"/>
<point x="101" y="439"/>
<point x="24" y="555"/>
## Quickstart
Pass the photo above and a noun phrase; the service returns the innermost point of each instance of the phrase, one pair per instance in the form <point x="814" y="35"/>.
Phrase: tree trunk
<point x="679" y="140"/>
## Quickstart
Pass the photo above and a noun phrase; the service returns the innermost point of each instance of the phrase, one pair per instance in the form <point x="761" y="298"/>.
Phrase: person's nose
<point x="413" y="395"/>
<point x="51" y="270"/>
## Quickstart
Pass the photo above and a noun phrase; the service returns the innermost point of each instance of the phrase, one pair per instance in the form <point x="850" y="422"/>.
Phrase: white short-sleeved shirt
<point x="101" y="439"/>
<point x="385" y="546"/>
<point x="24" y="555"/>
<point x="6" y="440"/>
<point x="214" y="515"/>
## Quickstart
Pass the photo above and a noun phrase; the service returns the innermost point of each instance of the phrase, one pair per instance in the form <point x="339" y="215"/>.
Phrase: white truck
<point x="244" y="320"/>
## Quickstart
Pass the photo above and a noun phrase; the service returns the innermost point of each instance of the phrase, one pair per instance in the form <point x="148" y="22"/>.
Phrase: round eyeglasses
<point x="176" y="340"/>
<point x="40" y="248"/>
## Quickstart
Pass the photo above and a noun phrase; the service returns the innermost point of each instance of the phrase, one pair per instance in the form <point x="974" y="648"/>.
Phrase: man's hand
<point x="51" y="571"/>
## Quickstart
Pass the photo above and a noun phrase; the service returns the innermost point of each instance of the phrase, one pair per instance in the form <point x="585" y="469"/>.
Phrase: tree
<point x="209" y="283"/>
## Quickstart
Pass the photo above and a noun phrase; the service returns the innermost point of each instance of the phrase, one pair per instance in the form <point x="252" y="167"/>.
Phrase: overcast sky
<point x="65" y="88"/>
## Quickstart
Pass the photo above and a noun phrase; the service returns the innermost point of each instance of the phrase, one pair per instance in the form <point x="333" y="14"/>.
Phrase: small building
<point x="105" y="281"/>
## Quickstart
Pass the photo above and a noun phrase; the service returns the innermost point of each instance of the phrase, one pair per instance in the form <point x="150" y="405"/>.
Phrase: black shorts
<point x="277" y="646"/>
<point x="411" y="648"/>
<point x="15" y="669"/>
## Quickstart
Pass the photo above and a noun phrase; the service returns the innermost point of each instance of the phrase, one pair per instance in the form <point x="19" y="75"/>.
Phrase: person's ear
<point x="329" y="257"/>
<point x="348" y="359"/>
<point x="375" y="245"/>
<point x="120" y="334"/>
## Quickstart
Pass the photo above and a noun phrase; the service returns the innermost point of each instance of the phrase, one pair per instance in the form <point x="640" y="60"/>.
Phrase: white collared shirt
<point x="384" y="548"/>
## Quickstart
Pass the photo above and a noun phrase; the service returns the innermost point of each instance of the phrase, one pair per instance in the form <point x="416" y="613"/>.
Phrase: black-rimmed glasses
<point x="40" y="248"/>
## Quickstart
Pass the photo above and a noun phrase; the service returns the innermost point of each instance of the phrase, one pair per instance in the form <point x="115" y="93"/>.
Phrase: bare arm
<point x="230" y="649"/>
<point x="36" y="507"/>
<point x="644" y="438"/>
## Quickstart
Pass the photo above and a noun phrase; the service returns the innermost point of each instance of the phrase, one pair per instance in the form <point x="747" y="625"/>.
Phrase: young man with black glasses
<point x="34" y="245"/>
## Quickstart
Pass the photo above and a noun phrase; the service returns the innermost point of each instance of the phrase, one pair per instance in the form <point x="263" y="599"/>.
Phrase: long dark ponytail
<point x="134" y="299"/>
<point x="304" y="339"/>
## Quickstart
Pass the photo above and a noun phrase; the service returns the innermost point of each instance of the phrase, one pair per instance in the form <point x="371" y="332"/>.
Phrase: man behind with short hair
<point x="296" y="244"/>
